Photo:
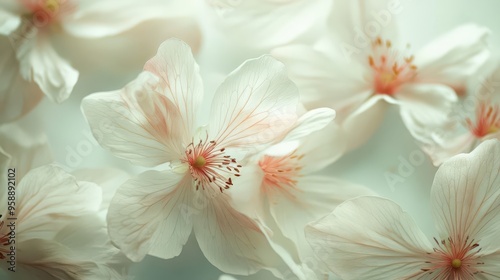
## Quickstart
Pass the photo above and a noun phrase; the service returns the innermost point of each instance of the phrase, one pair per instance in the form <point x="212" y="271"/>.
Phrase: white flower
<point x="31" y="65"/>
<point x="479" y="120"/>
<point x="57" y="232"/>
<point x="373" y="238"/>
<point x="283" y="187"/>
<point x="358" y="70"/>
<point x="158" y="119"/>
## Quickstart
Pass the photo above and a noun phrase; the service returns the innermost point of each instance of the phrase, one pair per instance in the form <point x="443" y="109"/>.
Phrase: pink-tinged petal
<point x="360" y="125"/>
<point x="256" y="104"/>
<point x="26" y="150"/>
<point x="17" y="96"/>
<point x="441" y="149"/>
<point x="151" y="214"/>
<point x="323" y="80"/>
<point x="425" y="105"/>
<point x="369" y="238"/>
<point x="454" y="57"/>
<point x="312" y="198"/>
<point x="263" y="24"/>
<point x="180" y="79"/>
<point x="47" y="259"/>
<point x="230" y="240"/>
<point x="136" y="123"/>
<point x="94" y="19"/>
<point x="355" y="24"/>
<point x="48" y="197"/>
<point x="8" y="22"/>
<point x="465" y="195"/>
<point x="39" y="62"/>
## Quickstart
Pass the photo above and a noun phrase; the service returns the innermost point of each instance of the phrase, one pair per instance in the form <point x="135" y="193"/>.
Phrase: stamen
<point x="487" y="119"/>
<point x="281" y="173"/>
<point x="210" y="166"/>
<point x="390" y="68"/>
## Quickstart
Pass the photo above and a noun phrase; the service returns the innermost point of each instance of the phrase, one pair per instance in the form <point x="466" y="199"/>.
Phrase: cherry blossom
<point x="57" y="233"/>
<point x="161" y="118"/>
<point x="359" y="70"/>
<point x="476" y="120"/>
<point x="32" y="66"/>
<point x="284" y="188"/>
<point x="373" y="238"/>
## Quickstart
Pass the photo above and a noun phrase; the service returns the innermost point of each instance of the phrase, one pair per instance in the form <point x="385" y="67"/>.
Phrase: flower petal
<point x="150" y="214"/>
<point x="454" y="57"/>
<point x="362" y="123"/>
<point x="109" y="179"/>
<point x="308" y="123"/>
<point x="369" y="238"/>
<point x="313" y="198"/>
<point x="321" y="148"/>
<point x="8" y="22"/>
<point x="48" y="197"/>
<point x="465" y="195"/>
<point x="94" y="19"/>
<point x="357" y="23"/>
<point x="425" y="105"/>
<point x="39" y="62"/>
<point x="180" y="79"/>
<point x="47" y="259"/>
<point x="256" y="104"/>
<point x="27" y="150"/>
<point x="136" y="123"/>
<point x="17" y="96"/>
<point x="231" y="241"/>
<point x="441" y="149"/>
<point x="323" y="80"/>
<point x="263" y="24"/>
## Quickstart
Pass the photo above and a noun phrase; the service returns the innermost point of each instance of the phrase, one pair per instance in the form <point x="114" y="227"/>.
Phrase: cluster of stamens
<point x="487" y="119"/>
<point x="210" y="166"/>
<point x="454" y="259"/>
<point x="44" y="12"/>
<point x="390" y="68"/>
<point x="281" y="173"/>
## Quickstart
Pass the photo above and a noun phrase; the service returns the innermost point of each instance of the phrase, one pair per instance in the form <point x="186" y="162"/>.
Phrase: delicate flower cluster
<point x="239" y="165"/>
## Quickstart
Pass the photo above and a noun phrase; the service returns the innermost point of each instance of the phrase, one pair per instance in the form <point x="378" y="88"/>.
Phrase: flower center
<point x="456" y="263"/>
<point x="280" y="173"/>
<point x="390" y="68"/>
<point x="454" y="259"/>
<point x="44" y="12"/>
<point x="487" y="119"/>
<point x="210" y="166"/>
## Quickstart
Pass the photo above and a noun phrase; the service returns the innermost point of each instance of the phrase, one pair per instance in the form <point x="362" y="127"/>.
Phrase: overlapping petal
<point x="39" y="62"/>
<point x="454" y="57"/>
<point x="369" y="238"/>
<point x="180" y="80"/>
<point x="137" y="118"/>
<point x="256" y="104"/>
<point x="465" y="195"/>
<point x="152" y="214"/>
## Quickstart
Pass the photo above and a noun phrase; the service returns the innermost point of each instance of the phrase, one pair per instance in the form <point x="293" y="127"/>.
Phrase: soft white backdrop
<point x="420" y="22"/>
